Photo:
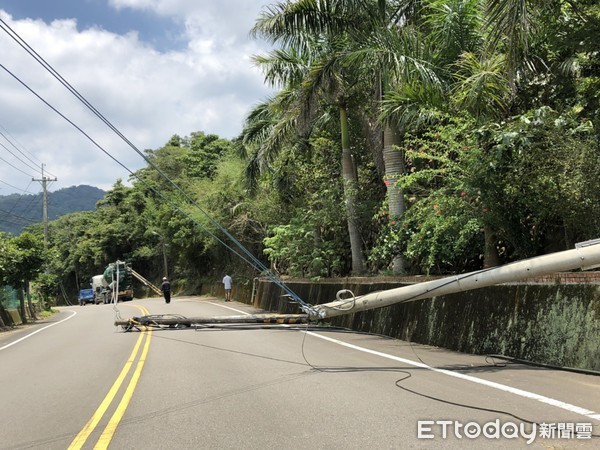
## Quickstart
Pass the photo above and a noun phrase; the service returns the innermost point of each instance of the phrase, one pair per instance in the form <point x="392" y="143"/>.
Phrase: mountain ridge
<point x="18" y="211"/>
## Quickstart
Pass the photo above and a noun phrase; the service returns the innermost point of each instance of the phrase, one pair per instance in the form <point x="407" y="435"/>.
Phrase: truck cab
<point x="86" y="296"/>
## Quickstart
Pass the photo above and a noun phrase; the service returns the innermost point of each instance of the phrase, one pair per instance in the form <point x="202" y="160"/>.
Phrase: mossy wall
<point x="557" y="324"/>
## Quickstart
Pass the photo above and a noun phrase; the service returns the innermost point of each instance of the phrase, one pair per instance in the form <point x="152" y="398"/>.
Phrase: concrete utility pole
<point x="164" y="252"/>
<point x="173" y="321"/>
<point x="585" y="255"/>
<point x="44" y="180"/>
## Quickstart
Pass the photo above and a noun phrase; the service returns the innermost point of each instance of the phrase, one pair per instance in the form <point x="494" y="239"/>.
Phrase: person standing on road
<point x="227" y="283"/>
<point x="165" y="287"/>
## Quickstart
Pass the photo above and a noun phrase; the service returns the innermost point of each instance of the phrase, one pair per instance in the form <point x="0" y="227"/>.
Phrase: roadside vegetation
<point x="403" y="137"/>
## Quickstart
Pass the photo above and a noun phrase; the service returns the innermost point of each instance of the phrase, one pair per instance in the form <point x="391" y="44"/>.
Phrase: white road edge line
<point x="531" y="395"/>
<point x="39" y="330"/>
<point x="230" y="308"/>
<point x="540" y="398"/>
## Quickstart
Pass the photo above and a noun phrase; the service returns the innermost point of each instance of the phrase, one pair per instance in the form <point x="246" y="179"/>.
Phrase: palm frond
<point x="509" y="20"/>
<point x="482" y="87"/>
<point x="282" y="67"/>
<point x="455" y="26"/>
<point x="412" y="105"/>
<point x="292" y="23"/>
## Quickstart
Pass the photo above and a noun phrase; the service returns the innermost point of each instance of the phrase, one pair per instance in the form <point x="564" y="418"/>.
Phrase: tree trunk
<point x="490" y="254"/>
<point x="22" y="304"/>
<point x="372" y="132"/>
<point x="2" y="324"/>
<point x="394" y="169"/>
<point x="77" y="279"/>
<point x="350" y="190"/>
<point x="29" y="303"/>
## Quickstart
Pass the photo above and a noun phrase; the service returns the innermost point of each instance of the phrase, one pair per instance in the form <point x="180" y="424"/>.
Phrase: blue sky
<point x="154" y="68"/>
<point x="161" y="31"/>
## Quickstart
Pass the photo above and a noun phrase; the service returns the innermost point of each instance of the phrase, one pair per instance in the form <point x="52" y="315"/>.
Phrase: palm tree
<point x="482" y="51"/>
<point x="449" y="32"/>
<point x="372" y="42"/>
<point x="268" y="127"/>
<point x="310" y="71"/>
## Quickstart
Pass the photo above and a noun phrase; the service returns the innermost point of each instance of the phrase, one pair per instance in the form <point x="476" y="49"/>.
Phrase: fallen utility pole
<point x="586" y="255"/>
<point x="168" y="320"/>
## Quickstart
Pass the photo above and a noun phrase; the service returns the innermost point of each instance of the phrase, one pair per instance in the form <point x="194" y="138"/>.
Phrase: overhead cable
<point x="250" y="258"/>
<point x="31" y="164"/>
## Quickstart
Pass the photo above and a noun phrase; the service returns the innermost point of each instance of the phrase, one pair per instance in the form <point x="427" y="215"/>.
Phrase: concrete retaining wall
<point x="15" y="316"/>
<point x="551" y="320"/>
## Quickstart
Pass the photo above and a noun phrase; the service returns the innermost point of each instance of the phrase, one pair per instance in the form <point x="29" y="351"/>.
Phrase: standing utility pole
<point x="164" y="252"/>
<point x="44" y="180"/>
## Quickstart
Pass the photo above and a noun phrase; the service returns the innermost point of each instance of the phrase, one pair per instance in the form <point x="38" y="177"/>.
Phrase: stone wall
<point x="552" y="320"/>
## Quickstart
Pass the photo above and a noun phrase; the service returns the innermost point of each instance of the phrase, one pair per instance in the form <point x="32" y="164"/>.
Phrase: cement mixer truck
<point x="100" y="288"/>
<point x="118" y="274"/>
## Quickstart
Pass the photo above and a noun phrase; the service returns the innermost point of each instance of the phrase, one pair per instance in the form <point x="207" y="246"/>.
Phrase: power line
<point x="16" y="157"/>
<point x="21" y="196"/>
<point x="25" y="163"/>
<point x="22" y="149"/>
<point x="16" y="219"/>
<point x="14" y="187"/>
<point x="248" y="258"/>
<point x="12" y="165"/>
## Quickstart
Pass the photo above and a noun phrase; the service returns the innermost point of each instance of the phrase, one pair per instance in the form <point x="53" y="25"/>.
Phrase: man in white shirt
<point x="227" y="283"/>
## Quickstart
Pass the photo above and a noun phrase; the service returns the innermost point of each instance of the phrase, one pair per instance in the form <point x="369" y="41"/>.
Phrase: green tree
<point x="541" y="163"/>
<point x="371" y="45"/>
<point x="442" y="227"/>
<point x="313" y="242"/>
<point x="3" y="270"/>
<point x="309" y="70"/>
<point x="204" y="154"/>
<point x="23" y="259"/>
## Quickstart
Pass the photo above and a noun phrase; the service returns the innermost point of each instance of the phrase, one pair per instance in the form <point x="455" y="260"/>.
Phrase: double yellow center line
<point x="114" y="421"/>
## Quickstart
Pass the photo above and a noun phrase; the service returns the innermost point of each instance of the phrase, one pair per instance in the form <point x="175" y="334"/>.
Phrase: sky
<point x="153" y="68"/>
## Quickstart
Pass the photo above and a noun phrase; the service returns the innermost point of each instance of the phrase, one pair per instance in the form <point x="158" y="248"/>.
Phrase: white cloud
<point x="148" y="95"/>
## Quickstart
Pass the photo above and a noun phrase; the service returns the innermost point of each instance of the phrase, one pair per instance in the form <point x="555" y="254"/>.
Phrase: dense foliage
<point x="435" y="136"/>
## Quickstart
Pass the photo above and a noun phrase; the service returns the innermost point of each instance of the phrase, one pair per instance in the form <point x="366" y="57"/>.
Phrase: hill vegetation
<point x="443" y="138"/>
<point x="18" y="211"/>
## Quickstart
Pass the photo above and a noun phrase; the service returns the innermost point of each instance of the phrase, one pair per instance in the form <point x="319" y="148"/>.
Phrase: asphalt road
<point x="77" y="381"/>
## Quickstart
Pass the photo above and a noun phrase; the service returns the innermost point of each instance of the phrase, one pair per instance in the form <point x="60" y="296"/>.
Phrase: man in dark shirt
<point x="166" y="289"/>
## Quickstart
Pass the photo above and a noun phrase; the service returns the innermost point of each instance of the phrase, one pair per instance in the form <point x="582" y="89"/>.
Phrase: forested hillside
<point x="20" y="210"/>
<point x="427" y="137"/>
